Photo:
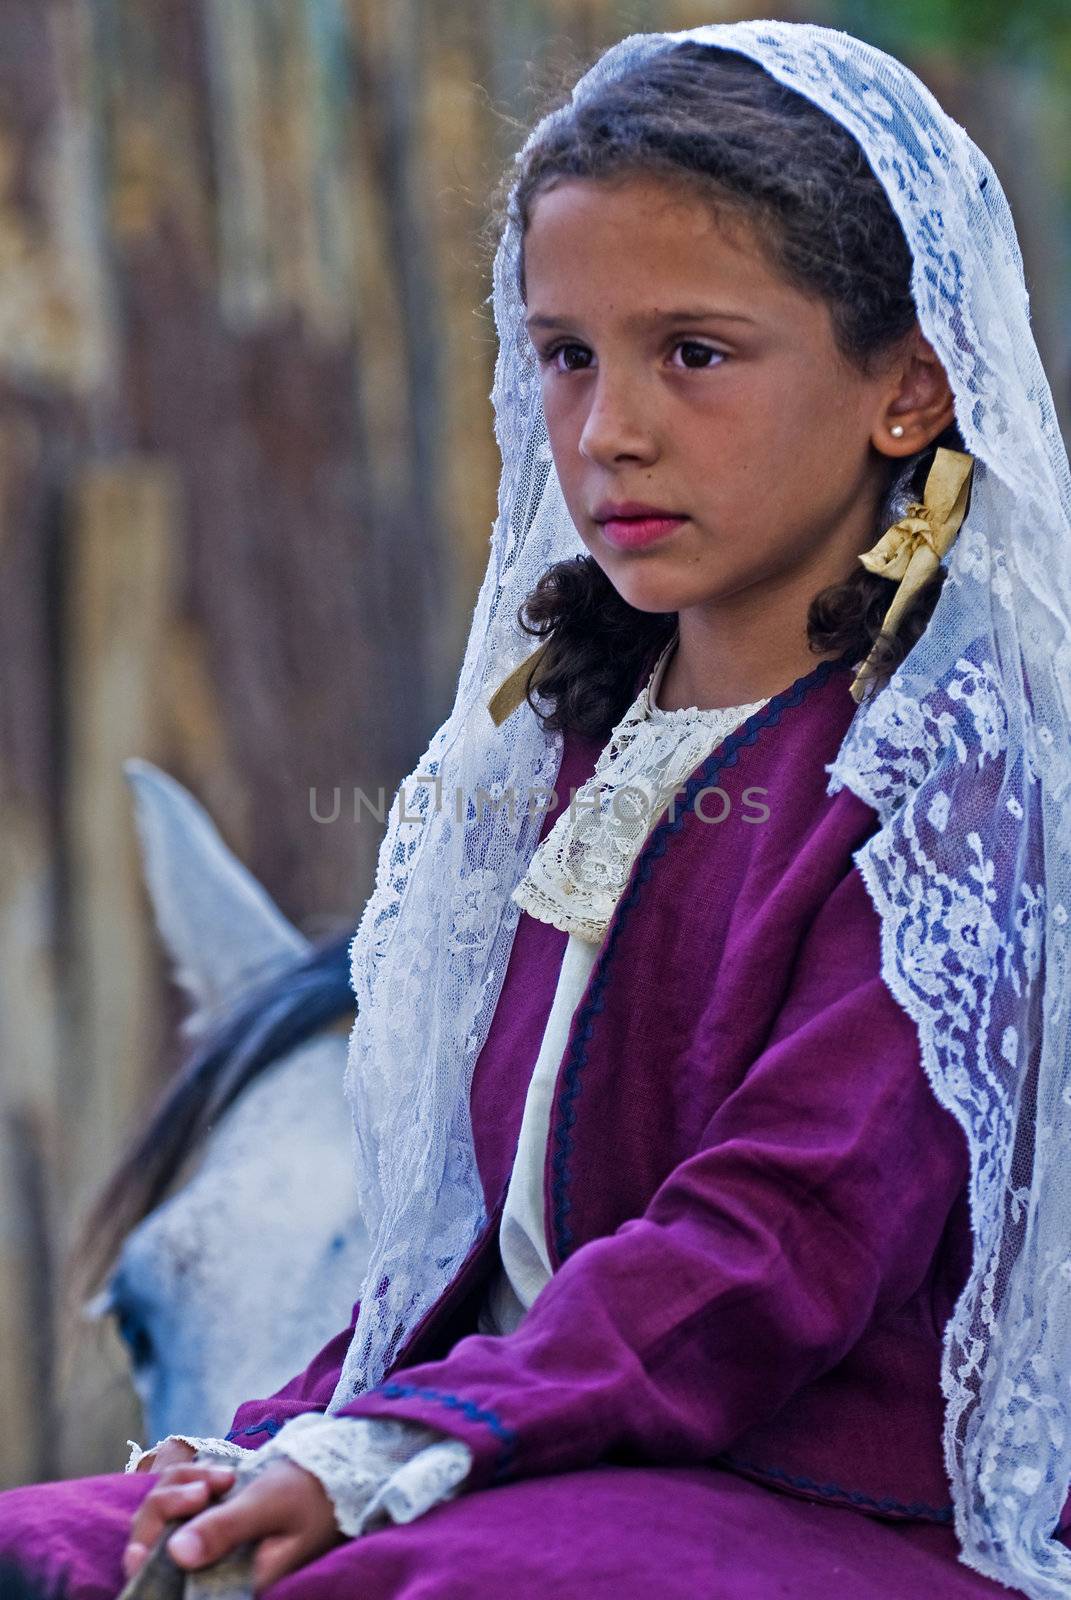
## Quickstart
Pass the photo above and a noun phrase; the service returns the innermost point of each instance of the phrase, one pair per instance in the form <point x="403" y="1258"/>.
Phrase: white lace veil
<point x="965" y="755"/>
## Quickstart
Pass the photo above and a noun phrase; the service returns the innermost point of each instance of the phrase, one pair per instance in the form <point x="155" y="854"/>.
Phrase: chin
<point x="637" y="582"/>
<point x="648" y="591"/>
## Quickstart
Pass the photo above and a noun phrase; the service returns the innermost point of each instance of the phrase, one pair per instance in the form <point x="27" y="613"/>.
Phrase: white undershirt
<point x="522" y="1236"/>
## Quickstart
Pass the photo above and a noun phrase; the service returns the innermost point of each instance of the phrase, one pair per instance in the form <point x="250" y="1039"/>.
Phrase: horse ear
<point x="220" y="927"/>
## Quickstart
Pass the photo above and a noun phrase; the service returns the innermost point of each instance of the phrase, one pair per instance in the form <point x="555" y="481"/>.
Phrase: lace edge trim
<point x="539" y="904"/>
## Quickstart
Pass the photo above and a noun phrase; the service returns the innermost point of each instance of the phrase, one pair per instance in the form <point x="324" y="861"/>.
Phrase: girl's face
<point x="682" y="372"/>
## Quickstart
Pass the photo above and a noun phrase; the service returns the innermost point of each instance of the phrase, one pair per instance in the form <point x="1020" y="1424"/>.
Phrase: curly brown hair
<point x="717" y="121"/>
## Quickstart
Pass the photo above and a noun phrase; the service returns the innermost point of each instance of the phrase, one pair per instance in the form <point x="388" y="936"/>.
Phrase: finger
<point x="134" y="1558"/>
<point x="215" y="1533"/>
<point x="276" y="1556"/>
<point x="166" y="1504"/>
<point x="181" y="1497"/>
<point x="180" y="1493"/>
<point x="186" y="1471"/>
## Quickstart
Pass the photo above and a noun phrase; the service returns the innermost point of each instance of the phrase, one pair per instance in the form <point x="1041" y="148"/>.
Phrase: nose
<point x="619" y="425"/>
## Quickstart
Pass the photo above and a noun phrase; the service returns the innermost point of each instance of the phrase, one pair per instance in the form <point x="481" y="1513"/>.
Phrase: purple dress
<point x="757" y="1217"/>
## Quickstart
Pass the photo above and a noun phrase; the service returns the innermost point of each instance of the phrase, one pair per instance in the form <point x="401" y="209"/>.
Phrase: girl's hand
<point x="183" y="1490"/>
<point x="284" y="1511"/>
<point x="170" y="1454"/>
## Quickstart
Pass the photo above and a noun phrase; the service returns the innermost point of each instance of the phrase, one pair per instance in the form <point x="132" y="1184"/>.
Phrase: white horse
<point x="225" y="1287"/>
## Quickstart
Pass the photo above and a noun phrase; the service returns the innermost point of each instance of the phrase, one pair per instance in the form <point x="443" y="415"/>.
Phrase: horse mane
<point x="266" y="1022"/>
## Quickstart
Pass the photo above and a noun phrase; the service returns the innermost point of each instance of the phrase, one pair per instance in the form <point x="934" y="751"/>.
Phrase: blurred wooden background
<point x="247" y="478"/>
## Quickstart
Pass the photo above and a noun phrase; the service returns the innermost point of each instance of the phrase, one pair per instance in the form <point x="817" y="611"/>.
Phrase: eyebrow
<point x="679" y="314"/>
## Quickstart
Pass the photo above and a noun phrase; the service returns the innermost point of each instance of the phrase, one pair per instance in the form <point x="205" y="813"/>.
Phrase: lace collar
<point x="579" y="871"/>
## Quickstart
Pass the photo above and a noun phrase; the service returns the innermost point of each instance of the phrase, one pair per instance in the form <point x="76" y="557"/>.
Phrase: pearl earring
<point x="897" y="430"/>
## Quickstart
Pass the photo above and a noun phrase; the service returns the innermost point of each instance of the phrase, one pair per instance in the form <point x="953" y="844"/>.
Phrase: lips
<point x="630" y="524"/>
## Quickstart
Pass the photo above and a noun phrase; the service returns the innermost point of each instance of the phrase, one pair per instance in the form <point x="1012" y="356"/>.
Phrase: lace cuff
<point x="217" y="1447"/>
<point x="373" y="1471"/>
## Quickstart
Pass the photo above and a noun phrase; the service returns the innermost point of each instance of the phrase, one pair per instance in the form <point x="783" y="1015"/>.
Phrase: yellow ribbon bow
<point x="512" y="690"/>
<point x="911" y="550"/>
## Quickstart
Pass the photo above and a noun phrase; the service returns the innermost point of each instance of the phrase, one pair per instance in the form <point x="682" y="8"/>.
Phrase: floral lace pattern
<point x="579" y="871"/>
<point x="965" y="755"/>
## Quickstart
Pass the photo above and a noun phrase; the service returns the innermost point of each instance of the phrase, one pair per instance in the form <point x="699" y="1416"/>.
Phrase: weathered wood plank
<point x="29" y="992"/>
<point x="125" y="522"/>
<point x="124" y="526"/>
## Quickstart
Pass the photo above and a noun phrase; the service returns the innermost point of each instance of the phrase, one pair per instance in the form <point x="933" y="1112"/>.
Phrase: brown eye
<point x="575" y="357"/>
<point x="698" y="356"/>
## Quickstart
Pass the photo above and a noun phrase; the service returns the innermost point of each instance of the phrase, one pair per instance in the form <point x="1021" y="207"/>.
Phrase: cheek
<point x="821" y="404"/>
<point x="764" y="444"/>
<point x="565" y="423"/>
<point x="563" y="417"/>
<point x="757" y="410"/>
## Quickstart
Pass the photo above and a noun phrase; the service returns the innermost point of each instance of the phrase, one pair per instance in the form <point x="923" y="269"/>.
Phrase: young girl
<point x="710" y="1124"/>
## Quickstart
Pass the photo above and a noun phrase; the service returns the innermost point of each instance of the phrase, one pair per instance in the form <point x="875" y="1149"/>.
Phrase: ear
<point x="219" y="926"/>
<point x="917" y="399"/>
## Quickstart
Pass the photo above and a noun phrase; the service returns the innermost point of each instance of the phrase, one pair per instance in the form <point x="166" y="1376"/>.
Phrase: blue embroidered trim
<point x="468" y="1409"/>
<point x="270" y="1426"/>
<point x="724" y="755"/>
<point x="917" y="1509"/>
